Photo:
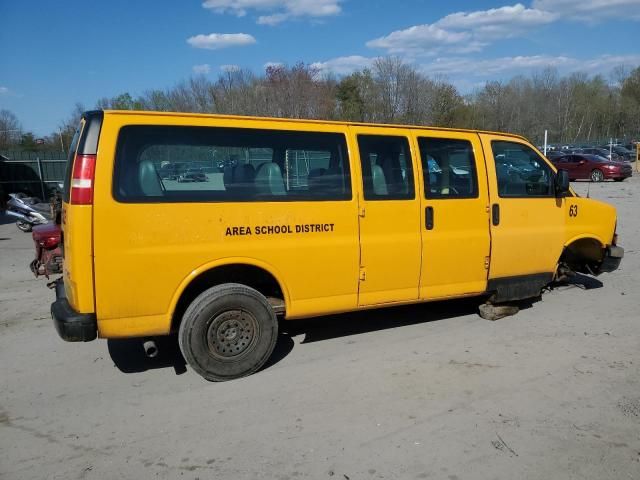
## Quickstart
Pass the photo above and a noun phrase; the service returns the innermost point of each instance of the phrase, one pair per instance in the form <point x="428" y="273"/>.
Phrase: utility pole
<point x="61" y="142"/>
<point x="611" y="149"/>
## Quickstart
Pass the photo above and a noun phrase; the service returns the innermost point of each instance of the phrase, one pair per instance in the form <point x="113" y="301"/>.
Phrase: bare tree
<point x="10" y="129"/>
<point x="574" y="108"/>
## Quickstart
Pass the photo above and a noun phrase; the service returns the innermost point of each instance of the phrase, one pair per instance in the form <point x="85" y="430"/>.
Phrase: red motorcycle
<point x="48" y="259"/>
<point x="47" y="239"/>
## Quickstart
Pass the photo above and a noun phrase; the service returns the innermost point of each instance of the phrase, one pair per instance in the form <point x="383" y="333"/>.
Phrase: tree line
<point x="575" y="108"/>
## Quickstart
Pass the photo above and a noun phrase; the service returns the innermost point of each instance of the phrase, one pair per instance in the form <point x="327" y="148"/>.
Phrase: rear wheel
<point x="24" y="226"/>
<point x="597" y="176"/>
<point x="228" y="331"/>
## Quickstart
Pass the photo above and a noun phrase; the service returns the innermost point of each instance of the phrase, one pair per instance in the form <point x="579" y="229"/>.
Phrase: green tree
<point x="631" y="86"/>
<point x="28" y="142"/>
<point x="124" y="101"/>
<point x="350" y="101"/>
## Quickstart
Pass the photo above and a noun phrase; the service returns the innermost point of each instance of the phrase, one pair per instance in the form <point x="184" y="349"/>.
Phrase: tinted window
<point x="386" y="167"/>
<point x="448" y="167"/>
<point x="521" y="171"/>
<point x="69" y="169"/>
<point x="191" y="164"/>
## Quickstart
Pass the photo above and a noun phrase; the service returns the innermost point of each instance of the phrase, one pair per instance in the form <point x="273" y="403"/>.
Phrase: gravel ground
<point x="430" y="391"/>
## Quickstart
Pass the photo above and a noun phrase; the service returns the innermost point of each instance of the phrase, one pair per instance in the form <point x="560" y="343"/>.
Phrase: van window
<point x="387" y="173"/>
<point x="521" y="171"/>
<point x="66" y="194"/>
<point x="449" y="168"/>
<point x="210" y="164"/>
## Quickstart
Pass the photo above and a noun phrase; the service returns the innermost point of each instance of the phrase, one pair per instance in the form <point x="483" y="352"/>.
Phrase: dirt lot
<point x="431" y="391"/>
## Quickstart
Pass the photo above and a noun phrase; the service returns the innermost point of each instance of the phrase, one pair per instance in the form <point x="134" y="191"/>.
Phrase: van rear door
<point x="77" y="214"/>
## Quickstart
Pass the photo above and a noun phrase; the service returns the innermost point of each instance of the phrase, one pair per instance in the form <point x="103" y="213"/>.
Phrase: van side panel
<point x="589" y="218"/>
<point x="78" y="257"/>
<point x="146" y="252"/>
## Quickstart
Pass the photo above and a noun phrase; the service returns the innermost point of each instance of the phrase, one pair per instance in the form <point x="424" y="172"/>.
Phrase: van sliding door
<point x="455" y="222"/>
<point x="389" y="217"/>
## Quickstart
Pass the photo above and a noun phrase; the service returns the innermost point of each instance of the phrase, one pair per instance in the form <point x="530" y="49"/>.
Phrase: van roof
<point x="297" y="120"/>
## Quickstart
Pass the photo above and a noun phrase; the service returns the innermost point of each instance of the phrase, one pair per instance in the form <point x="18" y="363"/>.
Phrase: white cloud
<point x="215" y="41"/>
<point x="230" y="68"/>
<point x="496" y="16"/>
<point x="591" y="11"/>
<point x="492" y="67"/>
<point x="271" y="20"/>
<point x="487" y="69"/>
<point x="276" y="11"/>
<point x="272" y="65"/>
<point x="604" y="63"/>
<point x="500" y="22"/>
<point x="201" y="69"/>
<point x="463" y="32"/>
<point x="4" y="90"/>
<point x="456" y="68"/>
<point x="426" y="40"/>
<point x="344" y="65"/>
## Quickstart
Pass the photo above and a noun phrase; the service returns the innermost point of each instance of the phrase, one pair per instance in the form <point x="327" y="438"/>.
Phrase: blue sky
<point x="56" y="53"/>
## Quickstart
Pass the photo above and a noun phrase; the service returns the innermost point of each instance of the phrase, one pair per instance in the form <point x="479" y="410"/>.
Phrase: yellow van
<point x="214" y="226"/>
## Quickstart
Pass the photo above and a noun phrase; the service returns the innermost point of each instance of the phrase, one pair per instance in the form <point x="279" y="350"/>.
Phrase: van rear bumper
<point x="612" y="259"/>
<point x="71" y="325"/>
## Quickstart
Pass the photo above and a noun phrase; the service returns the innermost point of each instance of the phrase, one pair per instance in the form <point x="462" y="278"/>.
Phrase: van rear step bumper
<point x="71" y="325"/>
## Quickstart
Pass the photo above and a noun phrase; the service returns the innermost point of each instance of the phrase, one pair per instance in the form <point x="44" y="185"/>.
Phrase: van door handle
<point x="495" y="214"/>
<point x="428" y="218"/>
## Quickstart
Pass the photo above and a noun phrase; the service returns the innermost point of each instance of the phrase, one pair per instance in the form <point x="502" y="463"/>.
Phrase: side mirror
<point x="562" y="183"/>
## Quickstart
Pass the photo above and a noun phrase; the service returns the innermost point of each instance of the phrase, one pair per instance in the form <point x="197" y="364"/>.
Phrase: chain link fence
<point x="34" y="173"/>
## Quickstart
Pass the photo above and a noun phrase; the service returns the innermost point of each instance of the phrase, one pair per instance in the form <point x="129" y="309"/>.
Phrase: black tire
<point x="229" y="331"/>
<point x="23" y="226"/>
<point x="597" y="175"/>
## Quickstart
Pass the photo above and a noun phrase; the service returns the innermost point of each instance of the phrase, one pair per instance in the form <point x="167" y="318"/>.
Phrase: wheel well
<point x="584" y="255"/>
<point x="249" y="275"/>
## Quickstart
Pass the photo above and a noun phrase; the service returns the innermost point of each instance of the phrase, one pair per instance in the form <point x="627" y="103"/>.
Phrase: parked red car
<point x="592" y="167"/>
<point x="48" y="259"/>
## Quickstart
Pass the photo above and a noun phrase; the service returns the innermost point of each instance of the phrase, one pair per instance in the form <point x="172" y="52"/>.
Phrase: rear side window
<point x="449" y="168"/>
<point x="386" y="167"/>
<point x="210" y="164"/>
<point x="69" y="169"/>
<point x="521" y="171"/>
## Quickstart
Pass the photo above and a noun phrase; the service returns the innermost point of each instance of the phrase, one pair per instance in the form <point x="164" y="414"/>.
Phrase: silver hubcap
<point x="231" y="334"/>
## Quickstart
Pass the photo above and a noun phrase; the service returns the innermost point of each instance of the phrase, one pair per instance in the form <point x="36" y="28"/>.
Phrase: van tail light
<point x="84" y="169"/>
